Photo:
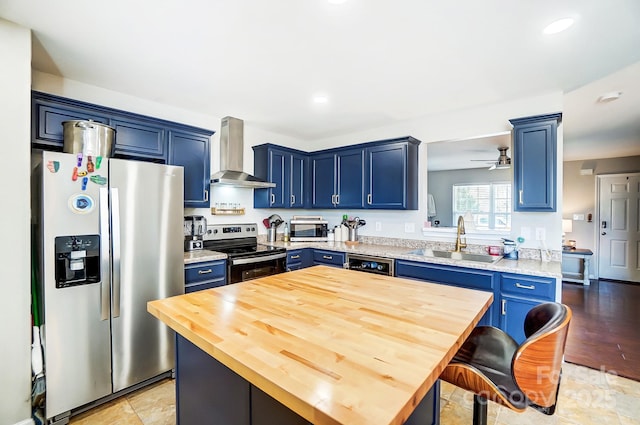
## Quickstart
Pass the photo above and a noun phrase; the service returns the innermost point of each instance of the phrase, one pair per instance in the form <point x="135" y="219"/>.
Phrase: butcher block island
<point x="320" y="345"/>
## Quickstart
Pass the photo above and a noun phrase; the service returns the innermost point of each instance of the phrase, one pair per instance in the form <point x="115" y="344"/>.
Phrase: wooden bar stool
<point x="494" y="367"/>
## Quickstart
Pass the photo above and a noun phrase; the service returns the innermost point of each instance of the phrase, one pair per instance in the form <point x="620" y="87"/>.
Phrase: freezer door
<point x="148" y="264"/>
<point x="76" y="317"/>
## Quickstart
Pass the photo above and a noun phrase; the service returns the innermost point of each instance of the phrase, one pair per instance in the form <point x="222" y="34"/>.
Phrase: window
<point x="488" y="203"/>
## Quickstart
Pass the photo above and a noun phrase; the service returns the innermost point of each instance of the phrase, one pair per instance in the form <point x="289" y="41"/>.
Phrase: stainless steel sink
<point x="467" y="256"/>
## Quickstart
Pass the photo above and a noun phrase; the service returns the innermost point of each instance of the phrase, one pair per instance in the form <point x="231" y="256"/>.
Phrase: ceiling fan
<point x="503" y="160"/>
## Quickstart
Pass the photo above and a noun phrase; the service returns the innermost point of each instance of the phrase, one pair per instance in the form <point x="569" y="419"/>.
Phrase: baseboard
<point x="25" y="422"/>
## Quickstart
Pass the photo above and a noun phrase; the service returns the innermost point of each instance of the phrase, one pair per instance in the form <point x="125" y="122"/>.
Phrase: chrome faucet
<point x="459" y="244"/>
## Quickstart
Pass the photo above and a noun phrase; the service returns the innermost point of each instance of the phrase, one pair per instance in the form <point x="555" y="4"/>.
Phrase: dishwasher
<point x="370" y="264"/>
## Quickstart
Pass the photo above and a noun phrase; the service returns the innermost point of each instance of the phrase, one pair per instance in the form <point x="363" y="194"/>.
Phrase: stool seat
<point x="494" y="367"/>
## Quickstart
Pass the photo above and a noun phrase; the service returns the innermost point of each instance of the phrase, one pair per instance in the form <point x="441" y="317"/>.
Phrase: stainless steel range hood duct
<point x="231" y="150"/>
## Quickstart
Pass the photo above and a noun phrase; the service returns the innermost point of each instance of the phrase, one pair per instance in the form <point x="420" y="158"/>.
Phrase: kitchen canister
<point x="88" y="137"/>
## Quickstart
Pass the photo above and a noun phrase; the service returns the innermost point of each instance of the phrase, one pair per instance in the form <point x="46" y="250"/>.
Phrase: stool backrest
<point x="538" y="361"/>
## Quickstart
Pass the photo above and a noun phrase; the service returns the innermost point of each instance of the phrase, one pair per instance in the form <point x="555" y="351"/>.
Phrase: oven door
<point x="247" y="268"/>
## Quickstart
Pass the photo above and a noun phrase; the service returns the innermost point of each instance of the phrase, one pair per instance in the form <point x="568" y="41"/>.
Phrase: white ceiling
<point x="379" y="62"/>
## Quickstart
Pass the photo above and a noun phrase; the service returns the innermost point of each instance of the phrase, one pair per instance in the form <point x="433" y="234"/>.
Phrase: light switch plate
<point x="378" y="226"/>
<point x="578" y="217"/>
<point x="540" y="234"/>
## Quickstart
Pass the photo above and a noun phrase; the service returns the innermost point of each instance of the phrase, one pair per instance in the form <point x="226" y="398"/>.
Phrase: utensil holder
<point x="271" y="234"/>
<point x="353" y="235"/>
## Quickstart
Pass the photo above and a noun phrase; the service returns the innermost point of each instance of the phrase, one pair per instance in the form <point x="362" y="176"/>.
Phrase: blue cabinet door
<point x="191" y="150"/>
<point x="350" y="179"/>
<point x="512" y="314"/>
<point x="278" y="174"/>
<point x="387" y="176"/>
<point x="139" y="139"/>
<point x="299" y="181"/>
<point x="534" y="162"/>
<point x="322" y="180"/>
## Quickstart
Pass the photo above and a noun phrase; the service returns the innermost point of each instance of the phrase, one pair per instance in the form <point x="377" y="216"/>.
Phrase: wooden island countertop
<point x="335" y="346"/>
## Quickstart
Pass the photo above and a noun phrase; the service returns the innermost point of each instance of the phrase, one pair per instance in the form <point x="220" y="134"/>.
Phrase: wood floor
<point x="605" y="329"/>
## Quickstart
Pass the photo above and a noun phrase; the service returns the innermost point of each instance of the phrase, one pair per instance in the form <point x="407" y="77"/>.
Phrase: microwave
<point x="308" y="229"/>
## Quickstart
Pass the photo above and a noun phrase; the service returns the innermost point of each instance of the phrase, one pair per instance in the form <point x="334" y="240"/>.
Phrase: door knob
<point x="604" y="233"/>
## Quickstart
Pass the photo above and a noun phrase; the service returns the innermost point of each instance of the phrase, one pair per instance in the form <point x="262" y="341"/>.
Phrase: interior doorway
<point x="619" y="227"/>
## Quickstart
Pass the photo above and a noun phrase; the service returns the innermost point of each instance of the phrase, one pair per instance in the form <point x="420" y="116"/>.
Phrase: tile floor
<point x="587" y="396"/>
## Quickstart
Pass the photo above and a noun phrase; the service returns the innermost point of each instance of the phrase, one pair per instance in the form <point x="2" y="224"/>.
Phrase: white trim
<point x="25" y="422"/>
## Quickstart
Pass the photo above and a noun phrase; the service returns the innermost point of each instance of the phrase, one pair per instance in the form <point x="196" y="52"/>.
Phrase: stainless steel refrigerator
<point x="111" y="238"/>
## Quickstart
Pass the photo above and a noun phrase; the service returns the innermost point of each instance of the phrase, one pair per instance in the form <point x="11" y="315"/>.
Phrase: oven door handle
<point x="251" y="260"/>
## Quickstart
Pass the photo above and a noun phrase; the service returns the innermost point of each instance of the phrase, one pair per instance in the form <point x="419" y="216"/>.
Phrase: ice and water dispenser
<point x="77" y="260"/>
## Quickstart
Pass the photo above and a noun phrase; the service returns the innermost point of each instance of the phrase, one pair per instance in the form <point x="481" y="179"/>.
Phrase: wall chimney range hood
<point x="231" y="150"/>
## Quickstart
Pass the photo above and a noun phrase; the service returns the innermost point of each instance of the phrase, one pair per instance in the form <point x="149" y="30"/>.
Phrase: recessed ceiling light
<point x="320" y="98"/>
<point x="609" y="97"/>
<point x="558" y="26"/>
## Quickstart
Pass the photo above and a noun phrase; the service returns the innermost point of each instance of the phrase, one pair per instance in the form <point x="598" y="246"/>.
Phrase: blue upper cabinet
<point x="137" y="137"/>
<point x="392" y="175"/>
<point x="374" y="175"/>
<point x="337" y="178"/>
<point x="323" y="180"/>
<point x="49" y="112"/>
<point x="535" y="162"/>
<point x="190" y="149"/>
<point x="288" y="169"/>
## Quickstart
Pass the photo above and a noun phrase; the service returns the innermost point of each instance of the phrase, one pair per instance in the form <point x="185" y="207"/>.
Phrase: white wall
<point x="580" y="194"/>
<point x="15" y="253"/>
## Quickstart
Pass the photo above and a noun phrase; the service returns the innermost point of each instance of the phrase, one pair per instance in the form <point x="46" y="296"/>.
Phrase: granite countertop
<point x="526" y="266"/>
<point x="203" y="255"/>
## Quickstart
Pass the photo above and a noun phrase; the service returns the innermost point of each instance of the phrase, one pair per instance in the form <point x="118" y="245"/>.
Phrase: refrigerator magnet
<point x="53" y="166"/>
<point x="81" y="204"/>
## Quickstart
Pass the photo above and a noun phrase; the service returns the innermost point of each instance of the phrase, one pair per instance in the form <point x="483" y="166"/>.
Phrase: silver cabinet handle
<point x="520" y="196"/>
<point x="115" y="244"/>
<point x="272" y="200"/>
<point x="337" y="199"/>
<point x="504" y="307"/>
<point x="327" y="257"/>
<point x="333" y="199"/>
<point x="204" y="271"/>
<point x="521" y="286"/>
<point x="293" y="199"/>
<point x="206" y="196"/>
<point x="295" y="257"/>
<point x="369" y="200"/>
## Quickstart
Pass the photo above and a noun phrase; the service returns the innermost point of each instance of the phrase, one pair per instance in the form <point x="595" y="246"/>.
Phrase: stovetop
<point x="236" y="240"/>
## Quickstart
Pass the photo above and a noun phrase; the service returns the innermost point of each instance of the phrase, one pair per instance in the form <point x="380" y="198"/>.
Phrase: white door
<point x="619" y="234"/>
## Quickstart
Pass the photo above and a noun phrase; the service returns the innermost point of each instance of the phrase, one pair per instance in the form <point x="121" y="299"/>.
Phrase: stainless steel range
<point x="246" y="258"/>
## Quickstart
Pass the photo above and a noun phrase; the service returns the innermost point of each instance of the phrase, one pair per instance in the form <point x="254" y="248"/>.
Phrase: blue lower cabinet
<point x="329" y="258"/>
<point x="484" y="280"/>
<point x="205" y="275"/>
<point x="299" y="258"/>
<point x="518" y="295"/>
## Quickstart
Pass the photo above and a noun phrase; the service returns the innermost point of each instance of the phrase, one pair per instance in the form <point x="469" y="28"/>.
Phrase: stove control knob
<point x="253" y="229"/>
<point x="248" y="229"/>
<point x="215" y="231"/>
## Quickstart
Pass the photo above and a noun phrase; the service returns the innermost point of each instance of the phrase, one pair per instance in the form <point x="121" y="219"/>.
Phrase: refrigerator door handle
<point x="105" y="275"/>
<point x="115" y="255"/>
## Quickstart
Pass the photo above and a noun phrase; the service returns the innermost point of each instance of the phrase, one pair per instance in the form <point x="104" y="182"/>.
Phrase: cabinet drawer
<point x="450" y="275"/>
<point x="294" y="256"/>
<point x="200" y="272"/>
<point x="321" y="256"/>
<point x="528" y="286"/>
<point x="200" y="286"/>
